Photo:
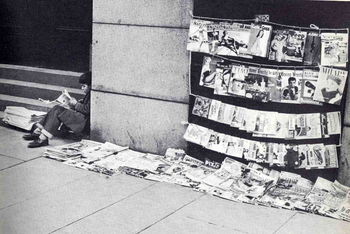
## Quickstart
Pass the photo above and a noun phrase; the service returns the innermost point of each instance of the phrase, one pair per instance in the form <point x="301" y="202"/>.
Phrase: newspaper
<point x="62" y="100"/>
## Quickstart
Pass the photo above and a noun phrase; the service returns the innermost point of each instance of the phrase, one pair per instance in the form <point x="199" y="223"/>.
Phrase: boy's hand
<point x="72" y="102"/>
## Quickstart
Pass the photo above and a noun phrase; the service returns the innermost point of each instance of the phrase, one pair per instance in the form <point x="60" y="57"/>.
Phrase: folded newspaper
<point x="22" y="117"/>
<point x="62" y="100"/>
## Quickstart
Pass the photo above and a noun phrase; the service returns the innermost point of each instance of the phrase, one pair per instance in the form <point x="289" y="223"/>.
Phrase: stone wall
<point x="140" y="73"/>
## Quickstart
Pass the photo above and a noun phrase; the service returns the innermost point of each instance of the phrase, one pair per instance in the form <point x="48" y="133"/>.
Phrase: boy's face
<point x="85" y="88"/>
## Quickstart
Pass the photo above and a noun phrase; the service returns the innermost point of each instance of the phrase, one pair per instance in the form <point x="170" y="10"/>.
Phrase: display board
<point x="256" y="65"/>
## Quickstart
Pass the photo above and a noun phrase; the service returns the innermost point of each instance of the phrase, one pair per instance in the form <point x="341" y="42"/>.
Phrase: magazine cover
<point x="250" y="118"/>
<point x="307" y="126"/>
<point x="291" y="85"/>
<point x="276" y="154"/>
<point x="330" y="85"/>
<point x="261" y="154"/>
<point x="312" y="54"/>
<point x="222" y="78"/>
<point x="233" y="39"/>
<point x="315" y="157"/>
<point x="237" y="80"/>
<point x="287" y="45"/>
<point x="235" y="147"/>
<point x="195" y="133"/>
<point x="308" y="86"/>
<point x="214" y="109"/>
<point x="333" y="123"/>
<point x="291" y="156"/>
<point x="284" y="126"/>
<point x="254" y="182"/>
<point x="331" y="156"/>
<point x="209" y="71"/>
<point x="256" y="85"/>
<point x="225" y="113"/>
<point x="259" y="40"/>
<point x="265" y="123"/>
<point x="238" y="116"/>
<point x="334" y="199"/>
<point x="197" y="36"/>
<point x="334" y="49"/>
<point x="217" y="142"/>
<point x="343" y="211"/>
<point x="201" y="106"/>
<point x="274" y="83"/>
<point x="318" y="193"/>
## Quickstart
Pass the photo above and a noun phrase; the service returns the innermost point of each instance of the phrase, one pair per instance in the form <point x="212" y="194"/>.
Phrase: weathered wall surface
<point x="140" y="73"/>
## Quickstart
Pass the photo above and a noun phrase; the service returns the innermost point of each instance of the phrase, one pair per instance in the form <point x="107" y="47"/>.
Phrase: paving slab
<point x="69" y="203"/>
<point x="33" y="178"/>
<point x="14" y="146"/>
<point x="6" y="162"/>
<point x="183" y="225"/>
<point x="308" y="223"/>
<point x="137" y="212"/>
<point x="236" y="216"/>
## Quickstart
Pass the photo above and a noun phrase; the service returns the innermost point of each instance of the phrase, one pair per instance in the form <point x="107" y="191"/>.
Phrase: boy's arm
<point x="83" y="108"/>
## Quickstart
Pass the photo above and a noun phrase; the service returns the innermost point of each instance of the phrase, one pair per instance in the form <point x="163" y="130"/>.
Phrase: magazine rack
<point x="276" y="15"/>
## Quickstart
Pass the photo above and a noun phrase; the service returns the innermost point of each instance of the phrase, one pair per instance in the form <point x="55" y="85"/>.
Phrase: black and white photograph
<point x="174" y="116"/>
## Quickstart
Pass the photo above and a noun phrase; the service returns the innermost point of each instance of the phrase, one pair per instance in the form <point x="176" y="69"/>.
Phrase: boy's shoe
<point x="38" y="143"/>
<point x="30" y="136"/>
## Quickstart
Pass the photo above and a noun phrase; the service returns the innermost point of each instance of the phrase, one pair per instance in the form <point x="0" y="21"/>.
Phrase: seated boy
<point x="74" y="118"/>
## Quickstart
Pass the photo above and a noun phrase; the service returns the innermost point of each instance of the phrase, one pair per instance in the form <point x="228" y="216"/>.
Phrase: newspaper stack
<point x="69" y="151"/>
<point x="21" y="117"/>
<point x="230" y="179"/>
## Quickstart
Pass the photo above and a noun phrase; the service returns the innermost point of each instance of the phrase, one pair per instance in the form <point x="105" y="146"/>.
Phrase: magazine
<point x="314" y="199"/>
<point x="312" y="54"/>
<point x="334" y="49"/>
<point x="308" y="86"/>
<point x="197" y="36"/>
<point x="330" y="85"/>
<point x="195" y="134"/>
<point x="259" y="40"/>
<point x="233" y="39"/>
<point x="274" y="83"/>
<point x="214" y="110"/>
<point x="343" y="211"/>
<point x="334" y="199"/>
<point x="96" y="153"/>
<point x="209" y="71"/>
<point x="316" y="156"/>
<point x="287" y="45"/>
<point x="225" y="113"/>
<point x="307" y="126"/>
<point x="201" y="106"/>
<point x="291" y="85"/>
<point x="333" y="123"/>
<point x="331" y="156"/>
<point x="237" y="83"/>
<point x="256" y="85"/>
<point x="222" y="78"/>
<point x="234" y="147"/>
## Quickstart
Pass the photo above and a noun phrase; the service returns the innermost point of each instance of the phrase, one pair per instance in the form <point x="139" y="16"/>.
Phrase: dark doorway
<point x="46" y="33"/>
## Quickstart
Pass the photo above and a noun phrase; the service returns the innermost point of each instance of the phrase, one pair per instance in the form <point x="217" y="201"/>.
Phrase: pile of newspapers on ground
<point x="230" y="179"/>
<point x="22" y="117"/>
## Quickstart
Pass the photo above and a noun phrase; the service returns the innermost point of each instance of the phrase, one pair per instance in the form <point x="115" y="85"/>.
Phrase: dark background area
<point x="46" y="33"/>
<point x="294" y="13"/>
